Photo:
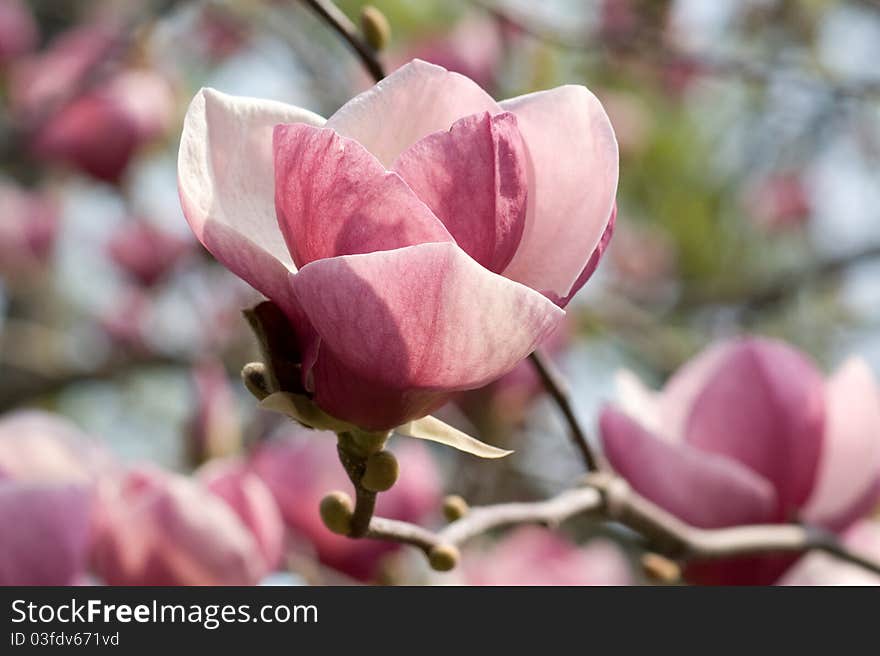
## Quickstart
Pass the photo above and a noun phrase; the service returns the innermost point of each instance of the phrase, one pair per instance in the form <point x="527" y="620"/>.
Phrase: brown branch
<point x="557" y="388"/>
<point x="338" y="21"/>
<point x="611" y="499"/>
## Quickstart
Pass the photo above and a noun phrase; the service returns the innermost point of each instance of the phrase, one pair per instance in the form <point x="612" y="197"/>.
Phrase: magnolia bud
<point x="454" y="507"/>
<point x="443" y="557"/>
<point x="376" y="29"/>
<point x="381" y="472"/>
<point x="336" y="512"/>
<point x="256" y="379"/>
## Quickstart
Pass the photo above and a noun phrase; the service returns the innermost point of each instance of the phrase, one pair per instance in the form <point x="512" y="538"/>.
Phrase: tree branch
<point x="557" y="388"/>
<point x="338" y="21"/>
<point x="611" y="499"/>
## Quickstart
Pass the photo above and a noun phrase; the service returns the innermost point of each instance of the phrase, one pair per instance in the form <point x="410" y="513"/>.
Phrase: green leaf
<point x="431" y="428"/>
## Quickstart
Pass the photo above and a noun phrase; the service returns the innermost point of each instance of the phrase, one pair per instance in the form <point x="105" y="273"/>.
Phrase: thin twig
<point x="557" y="388"/>
<point x="336" y="19"/>
<point x="610" y="498"/>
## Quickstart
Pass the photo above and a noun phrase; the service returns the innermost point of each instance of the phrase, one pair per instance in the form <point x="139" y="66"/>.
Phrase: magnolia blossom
<point x="747" y="433"/>
<point x="159" y="528"/>
<point x="97" y="130"/>
<point x="145" y="251"/>
<point x="422" y="240"/>
<point x="215" y="428"/>
<point x="302" y="467"/>
<point x="537" y="556"/>
<point x="48" y="469"/>
<point x="18" y="30"/>
<point x="28" y="229"/>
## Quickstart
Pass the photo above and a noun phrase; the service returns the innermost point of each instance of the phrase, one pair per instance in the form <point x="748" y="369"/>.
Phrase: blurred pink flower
<point x="124" y="321"/>
<point x="304" y="467"/>
<point x="145" y="251"/>
<point x="643" y="257"/>
<point x="28" y="230"/>
<point x="45" y="532"/>
<point x="96" y="127"/>
<point x="822" y="569"/>
<point x="48" y="470"/>
<point x="473" y="48"/>
<point x="421" y="281"/>
<point x="18" y="30"/>
<point x="159" y="528"/>
<point x="748" y="432"/>
<point x="251" y="500"/>
<point x="537" y="556"/>
<point x="215" y="427"/>
<point x="779" y="202"/>
<point x="40" y="447"/>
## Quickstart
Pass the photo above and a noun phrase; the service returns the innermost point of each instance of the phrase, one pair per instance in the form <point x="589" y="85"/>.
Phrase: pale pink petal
<point x="252" y="501"/>
<point x="678" y="395"/>
<point x="227" y="184"/>
<point x="821" y="569"/>
<point x="334" y="198"/>
<point x="573" y="169"/>
<point x="764" y="407"/>
<point x="473" y="177"/>
<point x="703" y="489"/>
<point x="530" y="555"/>
<point x="639" y="401"/>
<point x="592" y="264"/>
<point x="45" y="533"/>
<point x="423" y="317"/>
<point x="157" y="528"/>
<point x="850" y="461"/>
<point x="414" y="101"/>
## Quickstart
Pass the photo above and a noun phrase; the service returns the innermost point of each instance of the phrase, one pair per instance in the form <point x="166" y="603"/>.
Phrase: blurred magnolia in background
<point x="689" y="249"/>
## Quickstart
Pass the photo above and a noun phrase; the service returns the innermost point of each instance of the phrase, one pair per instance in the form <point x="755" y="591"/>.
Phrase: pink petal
<point x="530" y="555"/>
<point x="593" y="263"/>
<point x="227" y="185"/>
<point x="850" y="464"/>
<point x="158" y="528"/>
<point x="677" y="398"/>
<point x="334" y="198"/>
<point x="765" y="408"/>
<point x="411" y="103"/>
<point x="473" y="177"/>
<point x="573" y="181"/>
<point x="422" y="317"/>
<point x="821" y="569"/>
<point x="251" y="500"/>
<point x="703" y="489"/>
<point x="45" y="531"/>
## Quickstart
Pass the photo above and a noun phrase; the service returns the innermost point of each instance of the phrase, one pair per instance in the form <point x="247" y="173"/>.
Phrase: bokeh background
<point x="749" y="133"/>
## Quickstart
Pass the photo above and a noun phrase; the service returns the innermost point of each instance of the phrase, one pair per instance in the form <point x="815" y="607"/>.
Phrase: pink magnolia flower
<point x="537" y="556"/>
<point x="302" y="468"/>
<point x="251" y="500"/>
<point x="48" y="469"/>
<point x="159" y="528"/>
<point x="779" y="202"/>
<point x="746" y="433"/>
<point x="215" y="427"/>
<point x="822" y="569"/>
<point x="98" y="129"/>
<point x="18" y="30"/>
<point x="45" y="528"/>
<point x="28" y="230"/>
<point x="419" y="240"/>
<point x="145" y="251"/>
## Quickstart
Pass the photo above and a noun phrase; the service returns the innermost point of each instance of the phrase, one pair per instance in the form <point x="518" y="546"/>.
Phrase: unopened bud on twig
<point x="454" y="507"/>
<point x="443" y="557"/>
<point x="376" y="29"/>
<point x="256" y="379"/>
<point x="336" y="512"/>
<point x="660" y="569"/>
<point x="381" y="472"/>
